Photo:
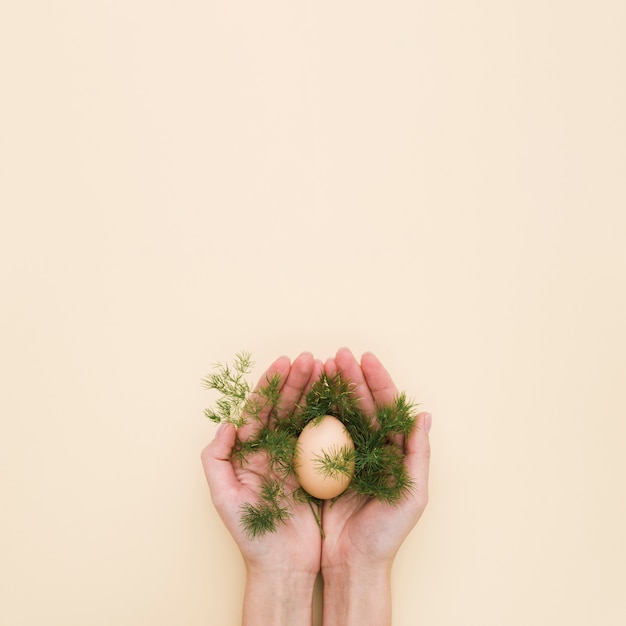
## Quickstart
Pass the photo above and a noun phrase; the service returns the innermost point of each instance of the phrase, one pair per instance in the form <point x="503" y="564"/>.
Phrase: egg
<point x="326" y="438"/>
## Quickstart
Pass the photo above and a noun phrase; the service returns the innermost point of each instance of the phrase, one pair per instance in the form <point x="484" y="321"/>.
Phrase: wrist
<point x="279" y="596"/>
<point x="352" y="578"/>
<point x="280" y="574"/>
<point x="357" y="594"/>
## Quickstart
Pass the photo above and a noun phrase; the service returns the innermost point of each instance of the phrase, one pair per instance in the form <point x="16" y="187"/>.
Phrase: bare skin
<point x="362" y="536"/>
<point x="282" y="566"/>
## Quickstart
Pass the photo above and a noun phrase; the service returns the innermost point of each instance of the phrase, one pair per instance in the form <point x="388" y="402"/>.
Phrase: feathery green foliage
<point x="232" y="384"/>
<point x="267" y="513"/>
<point x="335" y="461"/>
<point x="379" y="468"/>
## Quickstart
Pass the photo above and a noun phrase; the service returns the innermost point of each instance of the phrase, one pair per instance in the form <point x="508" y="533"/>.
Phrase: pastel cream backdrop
<point x="441" y="183"/>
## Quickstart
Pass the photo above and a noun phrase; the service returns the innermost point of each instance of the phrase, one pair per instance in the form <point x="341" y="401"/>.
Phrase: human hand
<point x="285" y="561"/>
<point x="362" y="535"/>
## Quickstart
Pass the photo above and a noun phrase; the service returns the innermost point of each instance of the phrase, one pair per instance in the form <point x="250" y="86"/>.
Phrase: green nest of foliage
<point x="379" y="468"/>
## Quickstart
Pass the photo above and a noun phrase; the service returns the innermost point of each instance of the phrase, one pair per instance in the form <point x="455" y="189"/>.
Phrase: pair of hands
<point x="361" y="535"/>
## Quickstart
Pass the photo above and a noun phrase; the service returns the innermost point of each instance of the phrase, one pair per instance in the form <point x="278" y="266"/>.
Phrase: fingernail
<point x="220" y="428"/>
<point x="428" y="422"/>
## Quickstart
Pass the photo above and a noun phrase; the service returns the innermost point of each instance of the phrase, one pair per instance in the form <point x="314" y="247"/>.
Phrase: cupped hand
<point x="296" y="544"/>
<point x="361" y="531"/>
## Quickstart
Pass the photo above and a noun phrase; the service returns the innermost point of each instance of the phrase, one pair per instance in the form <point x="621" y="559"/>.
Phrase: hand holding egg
<point x="315" y="441"/>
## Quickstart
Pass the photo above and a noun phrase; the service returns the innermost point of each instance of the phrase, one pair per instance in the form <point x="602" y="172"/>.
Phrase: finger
<point x="316" y="372"/>
<point x="295" y="383"/>
<point x="381" y="386"/>
<point x="218" y="469"/>
<point x="281" y="367"/>
<point x="378" y="380"/>
<point x="330" y="367"/>
<point x="417" y="456"/>
<point x="351" y="371"/>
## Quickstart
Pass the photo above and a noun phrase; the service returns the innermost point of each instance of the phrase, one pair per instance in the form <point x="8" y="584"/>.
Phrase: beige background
<point x="441" y="183"/>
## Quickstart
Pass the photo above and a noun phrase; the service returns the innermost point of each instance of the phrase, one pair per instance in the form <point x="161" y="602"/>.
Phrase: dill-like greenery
<point x="378" y="462"/>
<point x="336" y="461"/>
<point x="280" y="447"/>
<point x="268" y="512"/>
<point x="232" y="384"/>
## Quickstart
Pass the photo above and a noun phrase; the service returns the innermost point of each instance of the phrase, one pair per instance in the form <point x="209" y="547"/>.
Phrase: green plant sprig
<point x="379" y="468"/>
<point x="335" y="462"/>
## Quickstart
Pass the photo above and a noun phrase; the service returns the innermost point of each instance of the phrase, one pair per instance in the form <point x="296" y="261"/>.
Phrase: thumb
<point x="218" y="469"/>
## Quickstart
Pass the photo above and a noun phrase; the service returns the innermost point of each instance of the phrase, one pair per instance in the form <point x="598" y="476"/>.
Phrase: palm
<point x="355" y="527"/>
<point x="298" y="540"/>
